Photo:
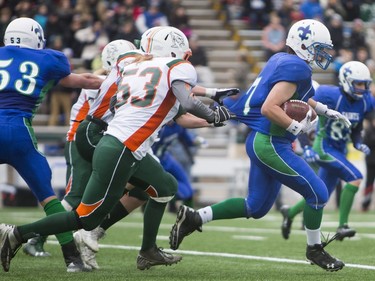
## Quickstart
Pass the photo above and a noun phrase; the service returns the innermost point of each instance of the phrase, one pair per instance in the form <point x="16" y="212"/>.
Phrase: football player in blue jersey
<point x="286" y="76"/>
<point x="353" y="99"/>
<point x="27" y="73"/>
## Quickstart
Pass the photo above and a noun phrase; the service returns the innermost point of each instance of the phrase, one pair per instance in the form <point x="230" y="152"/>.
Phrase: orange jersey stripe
<point x="79" y="118"/>
<point x="139" y="136"/>
<point x="84" y="210"/>
<point x="104" y="105"/>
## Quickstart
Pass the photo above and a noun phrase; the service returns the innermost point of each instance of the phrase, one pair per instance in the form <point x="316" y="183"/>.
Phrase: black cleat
<point x="188" y="220"/>
<point x="344" y="231"/>
<point x="287" y="222"/>
<point x="155" y="256"/>
<point x="317" y="255"/>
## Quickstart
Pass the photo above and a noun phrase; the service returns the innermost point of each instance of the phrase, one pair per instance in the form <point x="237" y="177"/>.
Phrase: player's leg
<point x="161" y="189"/>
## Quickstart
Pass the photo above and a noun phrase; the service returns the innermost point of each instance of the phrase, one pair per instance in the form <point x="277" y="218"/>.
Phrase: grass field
<point x="225" y="250"/>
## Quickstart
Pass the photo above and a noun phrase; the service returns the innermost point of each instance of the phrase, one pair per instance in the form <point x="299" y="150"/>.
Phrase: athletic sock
<point x="229" y="209"/>
<point x="118" y="212"/>
<point x="312" y="217"/>
<point x="52" y="207"/>
<point x="296" y="209"/>
<point x="346" y="202"/>
<point x="151" y="221"/>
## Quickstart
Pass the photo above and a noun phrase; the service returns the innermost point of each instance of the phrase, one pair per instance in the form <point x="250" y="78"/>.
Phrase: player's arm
<point x="182" y="91"/>
<point x="191" y="121"/>
<point x="83" y="80"/>
<point x="271" y="108"/>
<point x="215" y="94"/>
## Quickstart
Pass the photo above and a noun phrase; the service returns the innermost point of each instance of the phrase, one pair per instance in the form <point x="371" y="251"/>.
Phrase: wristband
<point x="210" y="92"/>
<point x="320" y="108"/>
<point x="295" y="127"/>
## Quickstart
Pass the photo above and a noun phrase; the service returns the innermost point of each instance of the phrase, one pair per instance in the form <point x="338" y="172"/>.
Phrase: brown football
<point x="297" y="109"/>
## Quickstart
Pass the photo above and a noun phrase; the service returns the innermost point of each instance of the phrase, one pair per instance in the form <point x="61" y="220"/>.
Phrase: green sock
<point x="229" y="209"/>
<point x="151" y="221"/>
<point x="312" y="217"/>
<point x="346" y="202"/>
<point x="189" y="202"/>
<point x="55" y="223"/>
<point x="118" y="212"/>
<point x="296" y="209"/>
<point x="52" y="207"/>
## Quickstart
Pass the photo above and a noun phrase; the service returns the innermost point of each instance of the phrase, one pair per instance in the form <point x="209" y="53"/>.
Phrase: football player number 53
<point x="29" y="71"/>
<point x="154" y="74"/>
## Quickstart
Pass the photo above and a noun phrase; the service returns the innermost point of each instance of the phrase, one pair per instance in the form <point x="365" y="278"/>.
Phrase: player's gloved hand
<point x="222" y="114"/>
<point x="309" y="154"/>
<point x="223" y="93"/>
<point x="112" y="103"/>
<point x="362" y="147"/>
<point x="322" y="109"/>
<point x="307" y="123"/>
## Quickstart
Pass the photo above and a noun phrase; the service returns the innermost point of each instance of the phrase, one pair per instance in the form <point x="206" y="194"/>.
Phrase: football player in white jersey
<point x="149" y="95"/>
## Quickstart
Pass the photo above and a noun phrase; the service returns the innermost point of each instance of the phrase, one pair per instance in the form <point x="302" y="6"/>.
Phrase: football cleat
<point x="35" y="247"/>
<point x="188" y="220"/>
<point x="155" y="256"/>
<point x="287" y="222"/>
<point x="317" y="255"/>
<point x="10" y="243"/>
<point x="344" y="231"/>
<point x="73" y="258"/>
<point x="87" y="254"/>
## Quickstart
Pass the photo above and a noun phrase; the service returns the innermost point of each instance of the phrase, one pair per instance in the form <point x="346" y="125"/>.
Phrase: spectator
<point x="335" y="26"/>
<point x="200" y="62"/>
<point x="358" y="36"/>
<point x="5" y="18"/>
<point x="311" y="9"/>
<point x="333" y="7"/>
<point x="41" y="15"/>
<point x="241" y="74"/>
<point x="93" y="38"/>
<point x="352" y="9"/>
<point x="258" y="13"/>
<point x="150" y="18"/>
<point x="179" y="19"/>
<point x="60" y="96"/>
<point x="127" y="31"/>
<point x="273" y="36"/>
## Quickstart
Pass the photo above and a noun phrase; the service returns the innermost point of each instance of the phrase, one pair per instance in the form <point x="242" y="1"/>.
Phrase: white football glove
<point x="322" y="109"/>
<point x="309" y="154"/>
<point x="362" y="147"/>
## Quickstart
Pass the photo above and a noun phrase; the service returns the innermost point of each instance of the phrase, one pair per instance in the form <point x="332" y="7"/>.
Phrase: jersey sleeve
<point x="291" y="70"/>
<point x="183" y="71"/>
<point x="60" y="64"/>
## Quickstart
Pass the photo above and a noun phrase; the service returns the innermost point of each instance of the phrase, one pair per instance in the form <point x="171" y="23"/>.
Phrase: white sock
<point x="313" y="236"/>
<point x="206" y="214"/>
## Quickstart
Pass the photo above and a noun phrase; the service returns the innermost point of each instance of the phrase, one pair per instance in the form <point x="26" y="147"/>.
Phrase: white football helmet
<point x="113" y="50"/>
<point x="308" y="38"/>
<point x="165" y="41"/>
<point x="25" y="33"/>
<point x="354" y="72"/>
